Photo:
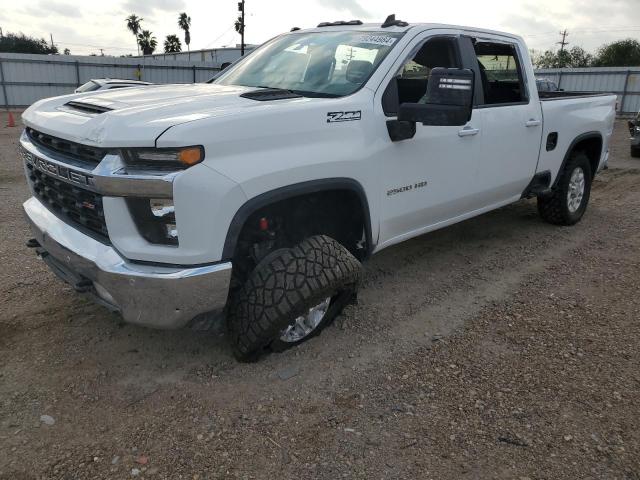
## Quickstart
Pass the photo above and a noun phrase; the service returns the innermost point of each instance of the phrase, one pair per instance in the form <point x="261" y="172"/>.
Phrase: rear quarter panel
<point x="571" y="117"/>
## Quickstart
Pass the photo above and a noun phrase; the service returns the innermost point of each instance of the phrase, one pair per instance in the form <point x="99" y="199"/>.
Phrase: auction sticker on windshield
<point x="377" y="40"/>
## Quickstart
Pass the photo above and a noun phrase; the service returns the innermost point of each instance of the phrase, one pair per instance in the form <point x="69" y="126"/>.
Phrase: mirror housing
<point x="449" y="99"/>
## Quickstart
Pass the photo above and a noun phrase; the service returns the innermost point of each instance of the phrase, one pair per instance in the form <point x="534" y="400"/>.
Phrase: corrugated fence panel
<point x="623" y="81"/>
<point x="28" y="78"/>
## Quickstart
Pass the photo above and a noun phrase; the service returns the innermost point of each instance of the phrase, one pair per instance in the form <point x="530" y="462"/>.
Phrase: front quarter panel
<point x="276" y="146"/>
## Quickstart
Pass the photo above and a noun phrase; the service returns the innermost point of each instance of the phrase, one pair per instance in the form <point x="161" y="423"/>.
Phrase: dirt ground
<point x="501" y="347"/>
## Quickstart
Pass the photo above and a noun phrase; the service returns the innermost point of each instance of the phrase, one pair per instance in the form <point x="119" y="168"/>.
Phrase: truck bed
<point x="577" y="115"/>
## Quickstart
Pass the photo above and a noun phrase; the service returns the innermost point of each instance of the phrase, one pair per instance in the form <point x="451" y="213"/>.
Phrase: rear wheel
<point x="569" y="199"/>
<point x="291" y="296"/>
<point x="635" y="152"/>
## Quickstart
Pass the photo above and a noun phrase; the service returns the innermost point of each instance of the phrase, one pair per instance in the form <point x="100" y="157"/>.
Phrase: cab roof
<point x="379" y="28"/>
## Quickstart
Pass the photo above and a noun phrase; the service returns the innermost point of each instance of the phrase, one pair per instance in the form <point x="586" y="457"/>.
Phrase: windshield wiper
<point x="302" y="93"/>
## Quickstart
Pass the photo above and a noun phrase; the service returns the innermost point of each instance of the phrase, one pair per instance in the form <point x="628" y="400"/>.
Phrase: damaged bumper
<point x="164" y="296"/>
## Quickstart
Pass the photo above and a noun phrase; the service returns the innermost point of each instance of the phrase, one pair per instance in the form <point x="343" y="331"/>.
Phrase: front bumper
<point x="154" y="296"/>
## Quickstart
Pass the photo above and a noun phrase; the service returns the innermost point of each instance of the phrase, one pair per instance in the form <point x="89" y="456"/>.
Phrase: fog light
<point x="155" y="219"/>
<point x="162" y="207"/>
<point x="172" y="231"/>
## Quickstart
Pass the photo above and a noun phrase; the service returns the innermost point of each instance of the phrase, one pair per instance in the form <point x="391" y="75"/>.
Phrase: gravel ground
<point x="501" y="347"/>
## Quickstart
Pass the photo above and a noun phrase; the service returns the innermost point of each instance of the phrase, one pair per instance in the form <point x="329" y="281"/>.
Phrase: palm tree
<point x="147" y="42"/>
<point x="184" y="23"/>
<point x="172" y="44"/>
<point x="133" y="24"/>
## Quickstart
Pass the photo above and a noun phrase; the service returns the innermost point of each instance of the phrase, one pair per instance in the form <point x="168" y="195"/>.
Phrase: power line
<point x="218" y="38"/>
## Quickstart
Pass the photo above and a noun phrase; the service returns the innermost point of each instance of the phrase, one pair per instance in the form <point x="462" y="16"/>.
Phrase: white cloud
<point x="590" y="24"/>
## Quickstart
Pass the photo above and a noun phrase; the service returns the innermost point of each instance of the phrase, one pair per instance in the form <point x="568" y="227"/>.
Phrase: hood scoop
<point x="268" y="94"/>
<point x="89" y="108"/>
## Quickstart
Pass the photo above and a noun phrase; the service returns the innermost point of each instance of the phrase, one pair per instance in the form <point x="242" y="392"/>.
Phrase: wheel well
<point x="339" y="213"/>
<point x="592" y="148"/>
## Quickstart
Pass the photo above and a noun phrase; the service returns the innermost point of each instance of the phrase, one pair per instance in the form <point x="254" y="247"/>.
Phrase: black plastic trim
<point x="290" y="191"/>
<point x="539" y="184"/>
<point x="567" y="155"/>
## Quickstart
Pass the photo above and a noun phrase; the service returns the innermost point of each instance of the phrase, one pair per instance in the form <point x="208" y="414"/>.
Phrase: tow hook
<point x="32" y="243"/>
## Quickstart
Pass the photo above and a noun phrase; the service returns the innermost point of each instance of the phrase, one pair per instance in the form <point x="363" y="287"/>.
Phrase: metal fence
<point x="623" y="81"/>
<point x="26" y="78"/>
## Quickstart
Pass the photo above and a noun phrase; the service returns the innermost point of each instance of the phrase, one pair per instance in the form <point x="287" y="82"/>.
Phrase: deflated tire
<point x="291" y="296"/>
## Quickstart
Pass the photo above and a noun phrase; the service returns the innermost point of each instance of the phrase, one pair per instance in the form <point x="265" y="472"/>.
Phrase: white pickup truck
<point x="255" y="198"/>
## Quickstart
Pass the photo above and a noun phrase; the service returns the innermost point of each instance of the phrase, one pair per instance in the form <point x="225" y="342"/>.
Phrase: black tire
<point x="635" y="152"/>
<point x="554" y="207"/>
<point x="285" y="285"/>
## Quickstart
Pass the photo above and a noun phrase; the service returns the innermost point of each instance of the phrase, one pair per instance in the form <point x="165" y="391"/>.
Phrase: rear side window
<point x="501" y="73"/>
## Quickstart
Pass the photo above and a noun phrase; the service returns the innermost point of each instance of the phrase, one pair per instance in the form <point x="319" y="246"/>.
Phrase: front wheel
<point x="635" y="152"/>
<point x="569" y="199"/>
<point x="291" y="296"/>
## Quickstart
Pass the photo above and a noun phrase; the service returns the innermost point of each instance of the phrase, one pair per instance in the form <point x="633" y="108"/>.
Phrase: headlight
<point x="164" y="158"/>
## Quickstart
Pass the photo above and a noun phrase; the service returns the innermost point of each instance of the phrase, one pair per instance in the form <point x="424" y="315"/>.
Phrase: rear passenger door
<point x="511" y="117"/>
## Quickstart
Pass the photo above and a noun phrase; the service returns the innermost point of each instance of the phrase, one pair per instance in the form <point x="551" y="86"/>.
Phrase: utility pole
<point x="563" y="43"/>
<point x="241" y="10"/>
<point x="51" y="35"/>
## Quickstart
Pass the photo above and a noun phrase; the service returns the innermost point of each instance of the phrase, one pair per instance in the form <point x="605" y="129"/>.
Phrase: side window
<point x="410" y="82"/>
<point x="501" y="73"/>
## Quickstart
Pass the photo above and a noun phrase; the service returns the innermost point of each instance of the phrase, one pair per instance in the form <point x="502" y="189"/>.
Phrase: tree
<point x="134" y="25"/>
<point x="172" y="44"/>
<point x="67" y="51"/>
<point x="20" y="43"/>
<point x="577" y="57"/>
<point x="147" y="42"/>
<point x="184" y="23"/>
<point x="623" y="53"/>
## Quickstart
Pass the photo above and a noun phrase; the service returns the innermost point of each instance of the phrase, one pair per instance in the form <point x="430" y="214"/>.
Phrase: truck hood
<point x="138" y="116"/>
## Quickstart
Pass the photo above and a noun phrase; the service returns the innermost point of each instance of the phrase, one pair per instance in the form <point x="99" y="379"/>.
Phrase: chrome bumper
<point x="153" y="296"/>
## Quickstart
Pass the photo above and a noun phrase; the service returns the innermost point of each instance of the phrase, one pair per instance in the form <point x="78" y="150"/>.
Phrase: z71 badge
<point x="344" y="116"/>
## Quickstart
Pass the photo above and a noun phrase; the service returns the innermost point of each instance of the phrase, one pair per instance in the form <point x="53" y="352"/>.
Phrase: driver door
<point x="429" y="180"/>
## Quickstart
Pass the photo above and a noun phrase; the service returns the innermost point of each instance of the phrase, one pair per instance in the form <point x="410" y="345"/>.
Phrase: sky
<point x="87" y="26"/>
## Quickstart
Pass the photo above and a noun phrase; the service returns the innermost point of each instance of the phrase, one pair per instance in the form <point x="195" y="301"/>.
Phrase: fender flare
<point x="290" y="191"/>
<point x="578" y="139"/>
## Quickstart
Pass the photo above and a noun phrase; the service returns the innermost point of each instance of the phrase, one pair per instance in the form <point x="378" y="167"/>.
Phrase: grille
<point x="73" y="204"/>
<point x="89" y="155"/>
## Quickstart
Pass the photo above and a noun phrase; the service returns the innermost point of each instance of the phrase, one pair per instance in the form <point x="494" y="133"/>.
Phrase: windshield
<point x="330" y="64"/>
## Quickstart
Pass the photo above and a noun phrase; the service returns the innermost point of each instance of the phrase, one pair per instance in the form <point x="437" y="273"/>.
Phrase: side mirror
<point x="449" y="99"/>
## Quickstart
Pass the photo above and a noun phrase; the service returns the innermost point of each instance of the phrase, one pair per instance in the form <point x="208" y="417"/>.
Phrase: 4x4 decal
<point x="344" y="116"/>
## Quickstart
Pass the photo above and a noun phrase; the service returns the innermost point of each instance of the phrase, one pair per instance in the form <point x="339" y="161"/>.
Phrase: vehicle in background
<point x="255" y="198"/>
<point x="546" y="85"/>
<point x="97" y="84"/>
<point x="634" y="130"/>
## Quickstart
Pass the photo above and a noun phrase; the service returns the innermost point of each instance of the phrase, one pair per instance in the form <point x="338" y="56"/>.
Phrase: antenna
<point x="392" y="22"/>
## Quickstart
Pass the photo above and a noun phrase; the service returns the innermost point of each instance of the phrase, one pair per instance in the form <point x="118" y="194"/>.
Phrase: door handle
<point x="533" y="123"/>
<point x="468" y="131"/>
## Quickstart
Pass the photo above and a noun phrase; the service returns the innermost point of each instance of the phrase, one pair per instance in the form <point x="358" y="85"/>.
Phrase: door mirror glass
<point x="448" y="101"/>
